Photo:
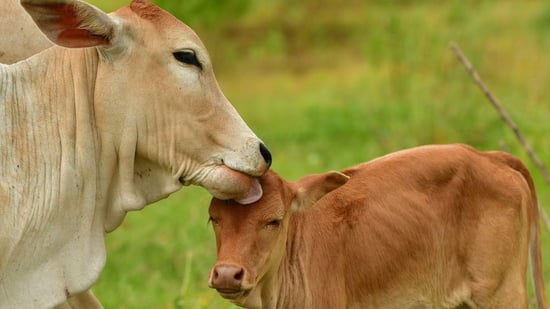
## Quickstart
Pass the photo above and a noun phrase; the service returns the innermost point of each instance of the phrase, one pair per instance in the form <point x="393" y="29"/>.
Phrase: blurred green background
<point x="328" y="84"/>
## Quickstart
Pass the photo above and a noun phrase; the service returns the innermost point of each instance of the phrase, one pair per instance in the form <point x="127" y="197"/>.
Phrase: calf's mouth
<point x="233" y="295"/>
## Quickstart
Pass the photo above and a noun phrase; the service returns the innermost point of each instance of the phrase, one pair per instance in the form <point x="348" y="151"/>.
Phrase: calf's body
<point x="430" y="227"/>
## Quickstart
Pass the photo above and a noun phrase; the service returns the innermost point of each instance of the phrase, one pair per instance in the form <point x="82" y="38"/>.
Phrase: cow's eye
<point x="188" y="57"/>
<point x="273" y="224"/>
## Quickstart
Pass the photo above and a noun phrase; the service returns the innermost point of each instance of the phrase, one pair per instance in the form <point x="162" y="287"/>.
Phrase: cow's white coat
<point x="87" y="134"/>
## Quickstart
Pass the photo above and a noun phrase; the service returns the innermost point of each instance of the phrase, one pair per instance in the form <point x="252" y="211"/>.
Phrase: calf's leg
<point x="497" y="265"/>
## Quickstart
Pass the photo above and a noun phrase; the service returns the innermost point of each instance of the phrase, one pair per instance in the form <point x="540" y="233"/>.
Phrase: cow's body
<point x="87" y="134"/>
<point x="430" y="227"/>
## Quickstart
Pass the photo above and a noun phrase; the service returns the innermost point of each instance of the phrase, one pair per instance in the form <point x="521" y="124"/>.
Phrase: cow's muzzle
<point x="266" y="155"/>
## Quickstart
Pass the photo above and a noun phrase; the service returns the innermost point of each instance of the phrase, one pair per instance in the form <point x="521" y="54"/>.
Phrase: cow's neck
<point x="123" y="180"/>
<point x="50" y="187"/>
<point x="65" y="179"/>
<point x="49" y="134"/>
<point x="129" y="180"/>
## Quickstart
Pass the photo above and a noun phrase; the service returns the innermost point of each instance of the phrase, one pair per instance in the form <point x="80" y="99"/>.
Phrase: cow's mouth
<point x="226" y="183"/>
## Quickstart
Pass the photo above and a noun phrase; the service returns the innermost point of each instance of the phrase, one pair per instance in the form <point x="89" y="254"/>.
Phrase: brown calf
<point x="430" y="227"/>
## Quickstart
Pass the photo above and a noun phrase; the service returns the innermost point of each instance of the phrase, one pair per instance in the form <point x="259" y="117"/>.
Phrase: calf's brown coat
<point x="429" y="227"/>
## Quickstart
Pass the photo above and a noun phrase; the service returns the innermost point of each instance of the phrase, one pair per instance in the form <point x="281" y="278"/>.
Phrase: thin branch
<point x="544" y="217"/>
<point x="507" y="119"/>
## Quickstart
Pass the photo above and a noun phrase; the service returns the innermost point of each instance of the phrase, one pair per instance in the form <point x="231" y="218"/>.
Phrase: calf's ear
<point x="71" y="23"/>
<point x="313" y="187"/>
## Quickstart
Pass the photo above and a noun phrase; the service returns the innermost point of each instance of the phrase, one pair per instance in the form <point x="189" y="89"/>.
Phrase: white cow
<point x="126" y="115"/>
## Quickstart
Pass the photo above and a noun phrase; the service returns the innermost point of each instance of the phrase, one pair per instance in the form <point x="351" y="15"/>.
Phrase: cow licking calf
<point x="122" y="110"/>
<point x="430" y="227"/>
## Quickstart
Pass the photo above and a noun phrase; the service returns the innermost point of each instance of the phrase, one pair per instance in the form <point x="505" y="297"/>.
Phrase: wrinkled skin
<point x="121" y="112"/>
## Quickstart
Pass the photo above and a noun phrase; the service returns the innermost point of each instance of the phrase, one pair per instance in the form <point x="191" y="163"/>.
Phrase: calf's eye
<point x="273" y="224"/>
<point x="187" y="57"/>
<point x="213" y="221"/>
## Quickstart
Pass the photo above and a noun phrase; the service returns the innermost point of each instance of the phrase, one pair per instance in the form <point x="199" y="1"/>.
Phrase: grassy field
<point x="328" y="85"/>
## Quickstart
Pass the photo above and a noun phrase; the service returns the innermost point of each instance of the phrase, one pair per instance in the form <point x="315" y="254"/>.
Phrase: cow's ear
<point x="71" y="23"/>
<point x="310" y="189"/>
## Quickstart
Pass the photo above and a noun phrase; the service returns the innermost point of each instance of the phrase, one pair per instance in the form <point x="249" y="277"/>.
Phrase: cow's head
<point x="251" y="239"/>
<point x="156" y="101"/>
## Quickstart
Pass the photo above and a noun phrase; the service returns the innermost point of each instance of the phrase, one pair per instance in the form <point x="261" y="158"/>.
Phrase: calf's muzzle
<point x="227" y="278"/>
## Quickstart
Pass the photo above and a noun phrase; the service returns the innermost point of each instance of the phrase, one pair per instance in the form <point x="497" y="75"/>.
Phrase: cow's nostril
<point x="265" y="154"/>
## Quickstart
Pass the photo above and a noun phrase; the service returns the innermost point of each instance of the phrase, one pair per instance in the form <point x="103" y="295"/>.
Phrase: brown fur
<point x="430" y="227"/>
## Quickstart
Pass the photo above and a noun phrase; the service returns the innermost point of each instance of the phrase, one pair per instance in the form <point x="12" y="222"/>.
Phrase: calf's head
<point x="156" y="101"/>
<point x="251" y="239"/>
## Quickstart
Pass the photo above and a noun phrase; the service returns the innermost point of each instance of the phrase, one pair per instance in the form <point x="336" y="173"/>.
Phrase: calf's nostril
<point x="265" y="154"/>
<point x="239" y="276"/>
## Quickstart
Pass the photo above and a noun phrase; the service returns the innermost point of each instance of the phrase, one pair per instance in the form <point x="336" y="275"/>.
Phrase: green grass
<point x="326" y="86"/>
